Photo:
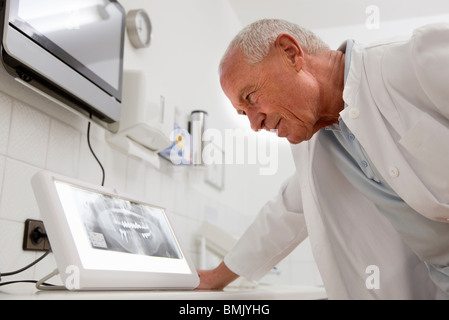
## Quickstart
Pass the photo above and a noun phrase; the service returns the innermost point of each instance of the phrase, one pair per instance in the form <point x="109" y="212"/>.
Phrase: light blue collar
<point x="346" y="48"/>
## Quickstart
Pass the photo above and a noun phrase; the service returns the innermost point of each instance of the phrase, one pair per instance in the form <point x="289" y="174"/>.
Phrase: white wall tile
<point x="153" y="191"/>
<point x="167" y="198"/>
<point x="12" y="257"/>
<point x="17" y="199"/>
<point x="5" y="121"/>
<point x="88" y="168"/>
<point x="135" y="177"/>
<point x="28" y="135"/>
<point x="183" y="195"/>
<point x="197" y="206"/>
<point x="63" y="149"/>
<point x="115" y="165"/>
<point x="192" y="230"/>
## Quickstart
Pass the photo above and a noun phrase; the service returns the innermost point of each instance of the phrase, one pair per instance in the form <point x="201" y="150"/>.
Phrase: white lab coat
<point x="398" y="108"/>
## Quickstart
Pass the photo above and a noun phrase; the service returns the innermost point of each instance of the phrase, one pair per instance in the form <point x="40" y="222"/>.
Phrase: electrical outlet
<point x="35" y="236"/>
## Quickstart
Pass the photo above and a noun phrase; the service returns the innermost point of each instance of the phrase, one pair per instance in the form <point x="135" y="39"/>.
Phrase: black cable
<point x="24" y="268"/>
<point x="92" y="151"/>
<point x="24" y="281"/>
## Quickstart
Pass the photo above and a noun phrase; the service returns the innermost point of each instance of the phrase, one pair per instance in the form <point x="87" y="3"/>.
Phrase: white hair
<point x="255" y="39"/>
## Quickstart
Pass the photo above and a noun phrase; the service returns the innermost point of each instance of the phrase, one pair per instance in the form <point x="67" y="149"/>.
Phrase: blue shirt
<point x="427" y="238"/>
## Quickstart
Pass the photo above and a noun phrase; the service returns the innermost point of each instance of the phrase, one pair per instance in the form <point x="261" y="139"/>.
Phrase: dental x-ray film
<point x="120" y="225"/>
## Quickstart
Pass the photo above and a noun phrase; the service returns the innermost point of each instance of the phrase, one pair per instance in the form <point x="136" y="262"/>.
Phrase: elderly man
<point x="369" y="129"/>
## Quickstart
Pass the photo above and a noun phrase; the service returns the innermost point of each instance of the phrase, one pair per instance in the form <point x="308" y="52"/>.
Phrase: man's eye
<point x="241" y="112"/>
<point x="249" y="96"/>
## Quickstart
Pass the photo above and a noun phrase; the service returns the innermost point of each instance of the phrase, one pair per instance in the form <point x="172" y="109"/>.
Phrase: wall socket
<point x="35" y="236"/>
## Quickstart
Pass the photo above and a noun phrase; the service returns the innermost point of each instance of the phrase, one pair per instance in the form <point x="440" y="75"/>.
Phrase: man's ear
<point x="290" y="50"/>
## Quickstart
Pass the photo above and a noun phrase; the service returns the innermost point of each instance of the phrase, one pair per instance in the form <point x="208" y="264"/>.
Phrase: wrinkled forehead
<point x="237" y="75"/>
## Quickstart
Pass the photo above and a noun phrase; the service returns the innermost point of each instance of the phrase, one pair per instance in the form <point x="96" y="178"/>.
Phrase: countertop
<point x="25" y="291"/>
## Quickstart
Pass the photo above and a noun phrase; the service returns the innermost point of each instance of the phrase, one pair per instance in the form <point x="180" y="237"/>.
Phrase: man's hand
<point x="216" y="279"/>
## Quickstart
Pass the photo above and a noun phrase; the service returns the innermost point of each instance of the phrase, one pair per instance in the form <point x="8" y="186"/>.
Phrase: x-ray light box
<point x="113" y="241"/>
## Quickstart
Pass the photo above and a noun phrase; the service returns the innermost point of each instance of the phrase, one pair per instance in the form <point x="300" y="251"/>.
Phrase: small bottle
<point x="197" y="126"/>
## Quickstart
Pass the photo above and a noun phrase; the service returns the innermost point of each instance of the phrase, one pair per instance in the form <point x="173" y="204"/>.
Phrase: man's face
<point x="274" y="94"/>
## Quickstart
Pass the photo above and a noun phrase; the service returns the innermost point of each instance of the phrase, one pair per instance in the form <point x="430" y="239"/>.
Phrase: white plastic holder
<point x="145" y="127"/>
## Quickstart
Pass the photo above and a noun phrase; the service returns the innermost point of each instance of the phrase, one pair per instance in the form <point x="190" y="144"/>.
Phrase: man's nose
<point x="256" y="119"/>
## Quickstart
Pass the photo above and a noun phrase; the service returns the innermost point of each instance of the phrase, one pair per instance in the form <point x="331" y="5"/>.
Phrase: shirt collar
<point x="346" y="48"/>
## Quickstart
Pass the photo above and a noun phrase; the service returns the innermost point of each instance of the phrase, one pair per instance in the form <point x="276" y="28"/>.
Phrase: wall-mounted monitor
<point x="70" y="50"/>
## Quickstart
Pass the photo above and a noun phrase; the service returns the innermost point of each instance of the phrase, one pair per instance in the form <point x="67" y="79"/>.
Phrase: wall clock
<point x="139" y="28"/>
